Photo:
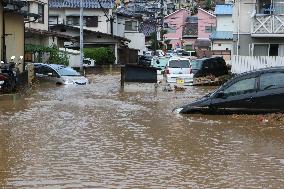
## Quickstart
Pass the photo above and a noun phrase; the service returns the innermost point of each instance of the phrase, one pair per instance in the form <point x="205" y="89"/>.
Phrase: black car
<point x="209" y="66"/>
<point x="145" y="60"/>
<point x="254" y="92"/>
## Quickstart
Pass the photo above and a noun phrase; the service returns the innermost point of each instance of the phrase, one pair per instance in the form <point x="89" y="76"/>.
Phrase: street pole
<point x="4" y="55"/>
<point x="81" y="36"/>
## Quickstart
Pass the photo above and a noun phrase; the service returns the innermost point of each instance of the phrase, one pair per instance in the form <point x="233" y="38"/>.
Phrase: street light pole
<point x="81" y="36"/>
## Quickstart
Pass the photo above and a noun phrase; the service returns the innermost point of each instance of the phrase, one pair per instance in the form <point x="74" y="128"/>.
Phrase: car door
<point x="270" y="94"/>
<point x="237" y="96"/>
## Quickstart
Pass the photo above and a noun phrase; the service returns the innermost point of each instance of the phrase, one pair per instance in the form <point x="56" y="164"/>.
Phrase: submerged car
<point x="178" y="70"/>
<point x="59" y="74"/>
<point x="209" y="66"/>
<point x="254" y="92"/>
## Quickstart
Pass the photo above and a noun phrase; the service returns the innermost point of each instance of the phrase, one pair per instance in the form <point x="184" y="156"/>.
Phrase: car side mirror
<point x="220" y="94"/>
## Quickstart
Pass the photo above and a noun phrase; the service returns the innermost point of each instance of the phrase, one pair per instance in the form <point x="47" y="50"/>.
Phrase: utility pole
<point x="81" y="36"/>
<point x="4" y="55"/>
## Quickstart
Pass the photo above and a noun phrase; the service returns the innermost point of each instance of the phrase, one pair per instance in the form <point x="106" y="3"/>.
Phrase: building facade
<point x="258" y="28"/>
<point x="174" y="24"/>
<point x="222" y="38"/>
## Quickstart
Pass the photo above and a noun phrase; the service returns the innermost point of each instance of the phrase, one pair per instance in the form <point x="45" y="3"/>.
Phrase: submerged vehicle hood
<point x="79" y="80"/>
<point x="198" y="104"/>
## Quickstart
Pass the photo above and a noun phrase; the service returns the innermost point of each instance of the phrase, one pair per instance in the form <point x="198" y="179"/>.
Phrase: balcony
<point x="267" y="25"/>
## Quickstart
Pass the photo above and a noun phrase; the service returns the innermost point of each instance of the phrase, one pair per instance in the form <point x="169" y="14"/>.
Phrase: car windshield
<point x="179" y="64"/>
<point x="65" y="71"/>
<point x="196" y="64"/>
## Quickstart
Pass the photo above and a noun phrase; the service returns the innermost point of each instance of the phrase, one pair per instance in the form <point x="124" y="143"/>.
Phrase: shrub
<point x="102" y="55"/>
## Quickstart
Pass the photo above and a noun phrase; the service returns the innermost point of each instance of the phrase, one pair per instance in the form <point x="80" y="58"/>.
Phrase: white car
<point x="59" y="74"/>
<point x="178" y="70"/>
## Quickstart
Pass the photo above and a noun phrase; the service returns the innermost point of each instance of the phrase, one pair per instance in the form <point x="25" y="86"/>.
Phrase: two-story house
<point x="259" y="28"/>
<point x="176" y="22"/>
<point x="222" y="38"/>
<point x="12" y="31"/>
<point x="126" y="24"/>
<point x="99" y="23"/>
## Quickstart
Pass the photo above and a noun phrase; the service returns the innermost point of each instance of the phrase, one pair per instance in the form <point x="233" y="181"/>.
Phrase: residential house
<point x="206" y="25"/>
<point x="222" y="38"/>
<point x="258" y="28"/>
<point x="126" y="24"/>
<point x="99" y="23"/>
<point x="174" y="24"/>
<point x="258" y="35"/>
<point x="12" y="31"/>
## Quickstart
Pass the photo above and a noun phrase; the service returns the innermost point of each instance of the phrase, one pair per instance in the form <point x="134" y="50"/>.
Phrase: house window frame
<point x="268" y="49"/>
<point x="132" y="30"/>
<point x="41" y="19"/>
<point x="212" y="28"/>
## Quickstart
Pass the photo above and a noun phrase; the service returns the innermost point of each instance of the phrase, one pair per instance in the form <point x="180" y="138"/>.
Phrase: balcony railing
<point x="268" y="26"/>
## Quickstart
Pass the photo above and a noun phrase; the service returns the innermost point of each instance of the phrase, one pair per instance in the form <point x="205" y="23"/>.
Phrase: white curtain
<point x="260" y="50"/>
<point x="281" y="50"/>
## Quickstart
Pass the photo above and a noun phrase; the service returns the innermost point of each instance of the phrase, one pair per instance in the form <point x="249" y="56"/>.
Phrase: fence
<point x="242" y="64"/>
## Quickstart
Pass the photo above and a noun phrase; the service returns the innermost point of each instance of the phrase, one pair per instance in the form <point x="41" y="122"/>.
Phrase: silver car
<point x="59" y="74"/>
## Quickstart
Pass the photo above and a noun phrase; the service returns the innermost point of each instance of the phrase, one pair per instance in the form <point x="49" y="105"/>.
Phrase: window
<point x="260" y="49"/>
<point x="73" y="20"/>
<point x="210" y="29"/>
<point x="179" y="64"/>
<point x="91" y="21"/>
<point x="271" y="81"/>
<point x="131" y="25"/>
<point x="53" y="20"/>
<point x="41" y="13"/>
<point x="241" y="87"/>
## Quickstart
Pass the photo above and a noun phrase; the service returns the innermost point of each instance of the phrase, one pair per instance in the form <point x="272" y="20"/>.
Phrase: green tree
<point x="102" y="55"/>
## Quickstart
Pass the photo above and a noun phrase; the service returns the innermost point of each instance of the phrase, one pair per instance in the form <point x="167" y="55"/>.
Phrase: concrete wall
<point x="14" y="25"/>
<point x="137" y="41"/>
<point x="103" y="25"/>
<point x="225" y="23"/>
<point x="119" y="26"/>
<point x="246" y="7"/>
<point x="1" y="29"/>
<point x="222" y="45"/>
<point x="34" y="9"/>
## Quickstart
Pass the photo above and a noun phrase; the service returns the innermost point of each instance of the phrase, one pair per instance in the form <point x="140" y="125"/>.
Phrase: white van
<point x="178" y="70"/>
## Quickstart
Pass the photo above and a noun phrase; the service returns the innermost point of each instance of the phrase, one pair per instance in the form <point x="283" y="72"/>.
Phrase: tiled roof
<point x="76" y="4"/>
<point x="226" y="9"/>
<point x="222" y="35"/>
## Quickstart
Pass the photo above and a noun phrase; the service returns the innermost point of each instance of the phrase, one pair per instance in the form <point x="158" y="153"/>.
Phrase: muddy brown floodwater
<point x="102" y="136"/>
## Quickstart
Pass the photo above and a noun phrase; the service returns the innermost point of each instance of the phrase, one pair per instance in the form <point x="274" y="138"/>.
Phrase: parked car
<point x="145" y="60"/>
<point x="254" y="92"/>
<point x="59" y="74"/>
<point x="209" y="66"/>
<point x="178" y="70"/>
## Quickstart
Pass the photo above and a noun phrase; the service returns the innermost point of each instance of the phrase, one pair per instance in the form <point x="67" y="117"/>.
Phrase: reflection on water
<point x="102" y="136"/>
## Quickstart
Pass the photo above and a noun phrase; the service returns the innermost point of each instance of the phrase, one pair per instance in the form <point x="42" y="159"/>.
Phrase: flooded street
<point x="103" y="136"/>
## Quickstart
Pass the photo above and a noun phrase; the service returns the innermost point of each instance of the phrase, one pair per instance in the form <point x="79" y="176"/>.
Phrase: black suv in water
<point x="260" y="91"/>
<point x="209" y="66"/>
